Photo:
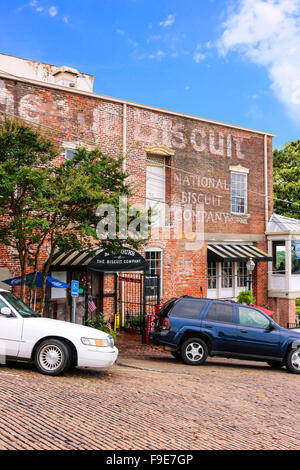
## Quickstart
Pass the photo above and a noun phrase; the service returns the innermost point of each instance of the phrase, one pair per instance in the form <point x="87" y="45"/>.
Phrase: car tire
<point x="194" y="351"/>
<point x="176" y="354"/>
<point x="293" y="361"/>
<point x="52" y="357"/>
<point x="275" y="364"/>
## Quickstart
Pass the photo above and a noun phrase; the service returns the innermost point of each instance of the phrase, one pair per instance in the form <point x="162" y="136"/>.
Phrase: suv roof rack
<point x="205" y="298"/>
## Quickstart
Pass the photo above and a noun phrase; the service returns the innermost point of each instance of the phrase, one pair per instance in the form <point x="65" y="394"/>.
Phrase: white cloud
<point x="33" y="3"/>
<point x="198" y="55"/>
<point x="52" y="11"/>
<point x="66" y="19"/>
<point x="268" y="33"/>
<point x="169" y="21"/>
<point x="158" y="55"/>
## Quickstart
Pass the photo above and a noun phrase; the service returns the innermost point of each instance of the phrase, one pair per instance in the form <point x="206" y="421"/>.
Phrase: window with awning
<point x="231" y="252"/>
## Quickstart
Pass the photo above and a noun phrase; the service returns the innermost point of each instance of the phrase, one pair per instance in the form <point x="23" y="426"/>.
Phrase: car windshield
<point x="19" y="305"/>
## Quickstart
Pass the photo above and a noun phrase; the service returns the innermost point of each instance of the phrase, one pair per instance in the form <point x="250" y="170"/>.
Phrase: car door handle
<point x="208" y="326"/>
<point x="243" y="331"/>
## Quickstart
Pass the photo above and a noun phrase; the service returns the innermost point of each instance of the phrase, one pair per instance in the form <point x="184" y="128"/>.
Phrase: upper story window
<point x="238" y="193"/>
<point x="156" y="189"/>
<point x="239" y="177"/>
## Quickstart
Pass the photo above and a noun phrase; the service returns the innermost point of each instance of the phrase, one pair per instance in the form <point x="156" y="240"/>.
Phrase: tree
<point x="76" y="189"/>
<point x="25" y="163"/>
<point x="45" y="205"/>
<point x="287" y="179"/>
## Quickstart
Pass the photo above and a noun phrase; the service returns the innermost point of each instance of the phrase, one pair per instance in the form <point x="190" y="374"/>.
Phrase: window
<point x="154" y="258"/>
<point x="188" y="308"/>
<point x="295" y="257"/>
<point x="239" y="193"/>
<point x="2" y="304"/>
<point x="19" y="305"/>
<point x="220" y="312"/>
<point x="156" y="189"/>
<point x="242" y="275"/>
<point x="278" y="257"/>
<point x="226" y="274"/>
<point x="211" y="275"/>
<point x="251" y="317"/>
<point x="70" y="154"/>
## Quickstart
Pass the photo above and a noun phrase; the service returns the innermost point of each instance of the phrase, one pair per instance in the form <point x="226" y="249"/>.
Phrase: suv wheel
<point x="194" y="351"/>
<point x="52" y="357"/>
<point x="293" y="361"/>
<point x="275" y="364"/>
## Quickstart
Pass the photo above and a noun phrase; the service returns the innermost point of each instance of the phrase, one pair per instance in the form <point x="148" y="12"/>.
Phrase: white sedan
<point x="54" y="346"/>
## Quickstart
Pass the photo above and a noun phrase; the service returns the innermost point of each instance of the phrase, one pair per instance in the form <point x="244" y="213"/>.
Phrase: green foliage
<point x="55" y="205"/>
<point x="99" y="323"/>
<point x="286" y="164"/>
<point x="246" y="297"/>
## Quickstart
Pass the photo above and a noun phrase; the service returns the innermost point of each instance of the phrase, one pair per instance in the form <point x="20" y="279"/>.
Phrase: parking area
<point x="148" y="400"/>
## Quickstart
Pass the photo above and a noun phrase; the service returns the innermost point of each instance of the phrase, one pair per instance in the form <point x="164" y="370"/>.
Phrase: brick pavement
<point x="150" y="401"/>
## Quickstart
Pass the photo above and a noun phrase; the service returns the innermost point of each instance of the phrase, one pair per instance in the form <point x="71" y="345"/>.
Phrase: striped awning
<point x="223" y="252"/>
<point x="98" y="260"/>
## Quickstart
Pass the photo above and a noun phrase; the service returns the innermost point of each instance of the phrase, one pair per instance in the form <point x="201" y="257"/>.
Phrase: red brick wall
<point x="205" y="151"/>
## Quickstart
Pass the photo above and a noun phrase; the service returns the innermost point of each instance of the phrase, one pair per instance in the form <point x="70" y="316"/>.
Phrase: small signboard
<point x="74" y="288"/>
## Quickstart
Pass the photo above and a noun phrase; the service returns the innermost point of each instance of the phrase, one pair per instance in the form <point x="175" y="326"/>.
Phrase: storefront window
<point x="211" y="275"/>
<point x="226" y="274"/>
<point x="242" y="275"/>
<point x="279" y="257"/>
<point x="295" y="257"/>
<point x="154" y="259"/>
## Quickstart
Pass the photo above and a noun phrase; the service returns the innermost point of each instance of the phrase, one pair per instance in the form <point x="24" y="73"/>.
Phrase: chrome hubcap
<point x="194" y="352"/>
<point x="296" y="360"/>
<point x="51" y="357"/>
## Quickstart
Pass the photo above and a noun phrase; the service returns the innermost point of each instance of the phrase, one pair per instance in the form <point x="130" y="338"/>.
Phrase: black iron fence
<point x="138" y="295"/>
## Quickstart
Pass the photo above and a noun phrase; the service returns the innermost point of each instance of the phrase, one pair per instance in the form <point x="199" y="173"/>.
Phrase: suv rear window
<point x="220" y="312"/>
<point x="187" y="308"/>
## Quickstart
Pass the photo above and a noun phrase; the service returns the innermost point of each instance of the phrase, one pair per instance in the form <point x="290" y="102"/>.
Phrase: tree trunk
<point x="23" y="265"/>
<point x="45" y="274"/>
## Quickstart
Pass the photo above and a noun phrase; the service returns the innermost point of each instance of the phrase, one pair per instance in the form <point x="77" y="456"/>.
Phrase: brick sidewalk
<point x="151" y="401"/>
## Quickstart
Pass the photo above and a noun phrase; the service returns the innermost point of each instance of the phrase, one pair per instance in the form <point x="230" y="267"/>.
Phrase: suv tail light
<point x="165" y="324"/>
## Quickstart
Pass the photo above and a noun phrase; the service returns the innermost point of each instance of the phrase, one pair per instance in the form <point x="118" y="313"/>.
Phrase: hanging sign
<point x="126" y="260"/>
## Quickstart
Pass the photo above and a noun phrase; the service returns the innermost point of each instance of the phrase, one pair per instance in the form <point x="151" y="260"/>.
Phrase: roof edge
<point x="130" y="103"/>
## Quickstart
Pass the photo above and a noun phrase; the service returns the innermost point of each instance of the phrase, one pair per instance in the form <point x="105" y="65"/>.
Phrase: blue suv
<point x="194" y="328"/>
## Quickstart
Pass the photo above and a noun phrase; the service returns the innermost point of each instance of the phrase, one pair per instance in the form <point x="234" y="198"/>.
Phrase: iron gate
<point x="137" y="296"/>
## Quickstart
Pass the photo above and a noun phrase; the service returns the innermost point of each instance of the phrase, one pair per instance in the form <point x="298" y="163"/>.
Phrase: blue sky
<point x="232" y="61"/>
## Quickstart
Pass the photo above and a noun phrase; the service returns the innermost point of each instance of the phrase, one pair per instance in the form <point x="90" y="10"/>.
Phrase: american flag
<point x="91" y="305"/>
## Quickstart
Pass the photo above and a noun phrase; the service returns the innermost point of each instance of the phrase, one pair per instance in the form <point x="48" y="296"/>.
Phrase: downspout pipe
<point x="266" y="181"/>
<point x="124" y="136"/>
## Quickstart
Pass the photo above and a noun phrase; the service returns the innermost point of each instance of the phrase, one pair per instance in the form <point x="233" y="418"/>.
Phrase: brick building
<point x="220" y="172"/>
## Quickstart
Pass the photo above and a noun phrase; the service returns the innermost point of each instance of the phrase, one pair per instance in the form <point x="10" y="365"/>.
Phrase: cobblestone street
<point x="151" y="401"/>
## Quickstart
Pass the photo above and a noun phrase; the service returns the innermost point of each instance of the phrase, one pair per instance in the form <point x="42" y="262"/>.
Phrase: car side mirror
<point x="5" y="311"/>
<point x="272" y="327"/>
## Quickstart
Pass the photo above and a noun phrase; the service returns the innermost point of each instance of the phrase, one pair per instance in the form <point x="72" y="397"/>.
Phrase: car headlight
<point x="107" y="342"/>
